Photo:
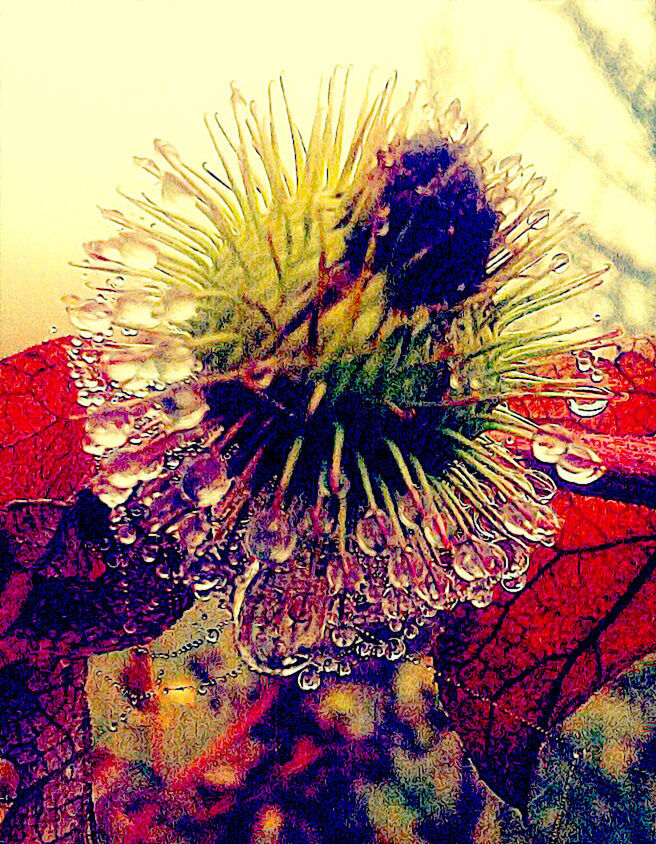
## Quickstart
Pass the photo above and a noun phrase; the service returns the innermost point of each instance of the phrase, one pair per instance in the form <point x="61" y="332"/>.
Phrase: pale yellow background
<point x="87" y="84"/>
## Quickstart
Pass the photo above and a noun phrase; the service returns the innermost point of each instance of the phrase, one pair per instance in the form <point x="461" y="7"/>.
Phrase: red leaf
<point x="41" y="426"/>
<point x="512" y="671"/>
<point x="67" y="589"/>
<point x="624" y="435"/>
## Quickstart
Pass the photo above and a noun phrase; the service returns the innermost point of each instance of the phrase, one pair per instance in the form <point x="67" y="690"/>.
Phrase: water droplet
<point x="597" y="317"/>
<point x="538" y="219"/>
<point x="212" y="636"/>
<point x="587" y="409"/>
<point x="513" y="584"/>
<point x="548" y="447"/>
<point x="126" y="534"/>
<point x="395" y="649"/>
<point x="309" y="679"/>
<point x="559" y="262"/>
<point x="455" y="382"/>
<point x="584" y="361"/>
<point x="411" y="632"/>
<point x="579" y="466"/>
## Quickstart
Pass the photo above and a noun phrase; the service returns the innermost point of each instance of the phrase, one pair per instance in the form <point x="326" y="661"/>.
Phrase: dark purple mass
<point x="432" y="224"/>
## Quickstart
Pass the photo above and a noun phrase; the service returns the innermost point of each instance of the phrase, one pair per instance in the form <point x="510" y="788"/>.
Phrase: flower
<point x="317" y="368"/>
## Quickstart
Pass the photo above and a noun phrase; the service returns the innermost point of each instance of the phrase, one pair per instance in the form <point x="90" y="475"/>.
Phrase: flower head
<point x="301" y="375"/>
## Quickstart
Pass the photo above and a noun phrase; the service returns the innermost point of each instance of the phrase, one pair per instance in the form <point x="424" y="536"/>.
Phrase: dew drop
<point x="547" y="448"/>
<point x="309" y="679"/>
<point x="126" y="534"/>
<point x="587" y="409"/>
<point x="212" y="636"/>
<point x="584" y="361"/>
<point x="538" y="219"/>
<point x="395" y="649"/>
<point x="580" y="469"/>
<point x="559" y="263"/>
<point x="482" y="599"/>
<point x="411" y="632"/>
<point x="513" y="584"/>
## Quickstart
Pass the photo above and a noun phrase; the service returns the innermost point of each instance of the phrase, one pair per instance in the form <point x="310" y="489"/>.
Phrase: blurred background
<point x="191" y="746"/>
<point x="87" y="85"/>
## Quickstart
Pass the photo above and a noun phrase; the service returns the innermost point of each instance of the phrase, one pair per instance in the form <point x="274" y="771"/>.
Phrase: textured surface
<point x="69" y="589"/>
<point x="41" y="426"/>
<point x="510" y="672"/>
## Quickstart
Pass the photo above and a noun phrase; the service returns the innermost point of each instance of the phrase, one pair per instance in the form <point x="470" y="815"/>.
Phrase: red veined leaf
<point x="511" y="672"/>
<point x="44" y="737"/>
<point x="68" y="589"/>
<point x="41" y="426"/>
<point x="623" y="435"/>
